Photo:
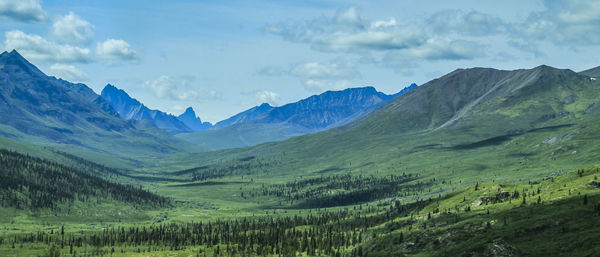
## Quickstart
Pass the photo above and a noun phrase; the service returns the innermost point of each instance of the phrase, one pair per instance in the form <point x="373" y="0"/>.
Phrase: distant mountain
<point x="329" y="109"/>
<point x="45" y="110"/>
<point x="192" y="121"/>
<point x="265" y="123"/>
<point x="131" y="109"/>
<point x="244" y="116"/>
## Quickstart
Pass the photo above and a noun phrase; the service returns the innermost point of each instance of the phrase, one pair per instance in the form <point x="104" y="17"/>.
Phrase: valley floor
<point x="555" y="216"/>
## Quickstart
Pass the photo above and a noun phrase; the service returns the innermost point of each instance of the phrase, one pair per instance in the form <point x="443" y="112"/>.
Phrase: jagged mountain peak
<point x="189" y="118"/>
<point x="115" y="91"/>
<point x="189" y="111"/>
<point x="265" y="105"/>
<point x="13" y="62"/>
<point x="131" y="109"/>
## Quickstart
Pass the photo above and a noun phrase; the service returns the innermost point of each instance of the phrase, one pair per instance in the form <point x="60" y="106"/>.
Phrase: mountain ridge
<point x="312" y="114"/>
<point x="244" y="116"/>
<point x="130" y="108"/>
<point x="49" y="111"/>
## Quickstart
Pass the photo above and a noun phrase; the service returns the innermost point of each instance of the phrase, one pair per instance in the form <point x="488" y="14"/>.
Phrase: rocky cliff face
<point x="193" y="122"/>
<point x="131" y="109"/>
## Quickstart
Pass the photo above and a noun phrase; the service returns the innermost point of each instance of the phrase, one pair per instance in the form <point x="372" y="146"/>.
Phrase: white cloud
<point x="72" y="29"/>
<point x="348" y="17"/>
<point x="418" y="41"/>
<point x="317" y="70"/>
<point x="382" y="24"/>
<point x="466" y="23"/>
<point x="68" y="72"/>
<point x="269" y="97"/>
<point x="317" y="76"/>
<point x="319" y="86"/>
<point x="180" y="89"/>
<point x="574" y="22"/>
<point x="37" y="48"/>
<point x="22" y="10"/>
<point x="446" y="49"/>
<point x="116" y="50"/>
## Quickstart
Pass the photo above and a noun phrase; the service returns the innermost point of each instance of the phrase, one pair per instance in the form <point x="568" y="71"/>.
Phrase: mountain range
<point x="470" y="104"/>
<point x="50" y="111"/>
<point x="316" y="113"/>
<point x="131" y="109"/>
<point x="263" y="123"/>
<point x="45" y="110"/>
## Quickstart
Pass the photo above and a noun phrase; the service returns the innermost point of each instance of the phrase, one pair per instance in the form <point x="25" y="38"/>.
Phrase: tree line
<point x="28" y="182"/>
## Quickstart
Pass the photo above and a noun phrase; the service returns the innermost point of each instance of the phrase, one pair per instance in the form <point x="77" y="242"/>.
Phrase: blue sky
<point x="222" y="57"/>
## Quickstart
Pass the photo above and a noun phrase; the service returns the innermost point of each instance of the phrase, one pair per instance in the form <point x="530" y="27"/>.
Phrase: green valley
<point x="299" y="128"/>
<point x="505" y="167"/>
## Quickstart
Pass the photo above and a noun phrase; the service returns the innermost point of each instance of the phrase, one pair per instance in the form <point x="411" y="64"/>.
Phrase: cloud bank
<point x="22" y="10"/>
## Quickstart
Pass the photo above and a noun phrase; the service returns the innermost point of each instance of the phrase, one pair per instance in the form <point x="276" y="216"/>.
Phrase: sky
<point x="223" y="57"/>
